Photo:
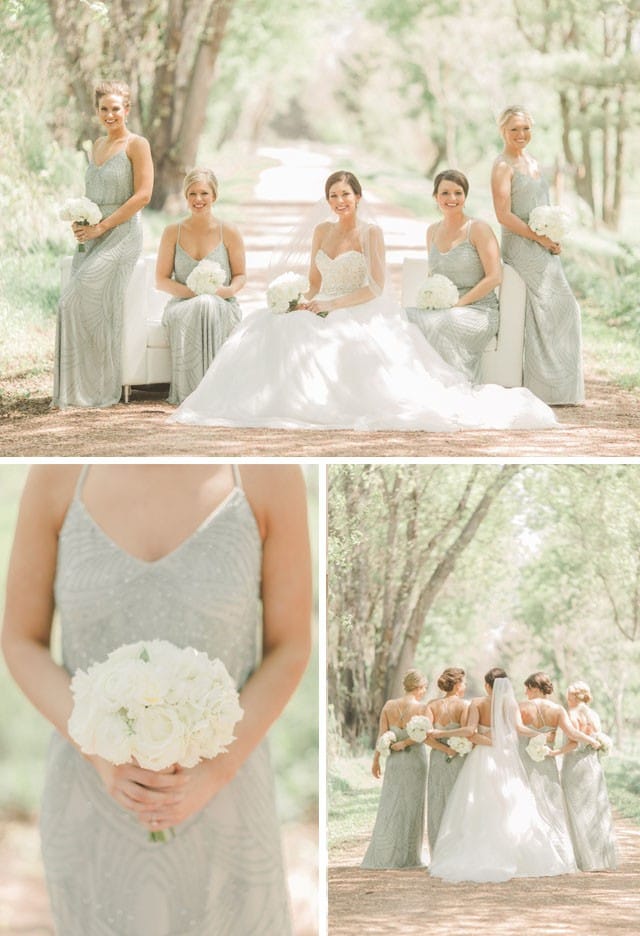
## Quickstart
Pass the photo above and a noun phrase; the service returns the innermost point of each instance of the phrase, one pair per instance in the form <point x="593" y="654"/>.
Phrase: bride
<point x="491" y="829"/>
<point x="347" y="357"/>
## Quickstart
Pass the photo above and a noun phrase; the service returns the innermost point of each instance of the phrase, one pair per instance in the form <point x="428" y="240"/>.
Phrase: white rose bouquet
<point x="550" y="221"/>
<point x="384" y="742"/>
<point x="206" y="278"/>
<point x="537" y="748"/>
<point x="606" y="744"/>
<point x="437" y="292"/>
<point x="418" y="727"/>
<point x="285" y="291"/>
<point x="156" y="704"/>
<point x="460" y="745"/>
<point x="80" y="211"/>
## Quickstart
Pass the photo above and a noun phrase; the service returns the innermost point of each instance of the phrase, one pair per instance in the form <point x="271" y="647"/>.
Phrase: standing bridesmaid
<point x="553" y="337"/>
<point x="198" y="325"/>
<point x="448" y="714"/>
<point x="397" y="836"/>
<point x="119" y="179"/>
<point x="585" y="789"/>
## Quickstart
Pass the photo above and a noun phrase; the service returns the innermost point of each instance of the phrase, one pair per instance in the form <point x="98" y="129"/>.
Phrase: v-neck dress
<point x="197" y="327"/>
<point x="88" y="360"/>
<point x="222" y="873"/>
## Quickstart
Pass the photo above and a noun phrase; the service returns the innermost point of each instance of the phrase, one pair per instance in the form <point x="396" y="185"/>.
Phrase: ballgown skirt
<point x="364" y="367"/>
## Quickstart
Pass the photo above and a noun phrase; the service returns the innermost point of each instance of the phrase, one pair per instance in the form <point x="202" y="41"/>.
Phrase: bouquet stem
<point x="162" y="835"/>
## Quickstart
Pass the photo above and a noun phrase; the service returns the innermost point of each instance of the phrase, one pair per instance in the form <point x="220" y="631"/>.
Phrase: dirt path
<point x="607" y="425"/>
<point x="411" y="902"/>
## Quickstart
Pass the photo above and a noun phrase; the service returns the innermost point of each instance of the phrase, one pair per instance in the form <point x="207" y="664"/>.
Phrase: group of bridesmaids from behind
<point x="119" y="179"/>
<point x="573" y="802"/>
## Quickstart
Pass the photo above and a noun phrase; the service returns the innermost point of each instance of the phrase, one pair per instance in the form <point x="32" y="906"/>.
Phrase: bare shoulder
<point x="230" y="232"/>
<point x="48" y="492"/>
<point x="137" y="145"/>
<point x="274" y="491"/>
<point x="501" y="168"/>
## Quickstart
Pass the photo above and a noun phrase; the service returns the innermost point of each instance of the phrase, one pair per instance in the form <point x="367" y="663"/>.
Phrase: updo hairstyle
<point x="581" y="691"/>
<point x="539" y="681"/>
<point x="200" y="175"/>
<point x="112" y="87"/>
<point x="451" y="175"/>
<point x="413" y="679"/>
<point x="342" y="175"/>
<point x="495" y="673"/>
<point x="450" y="678"/>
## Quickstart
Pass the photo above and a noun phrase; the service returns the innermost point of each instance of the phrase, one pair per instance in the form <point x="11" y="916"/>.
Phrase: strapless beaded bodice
<point x="343" y="274"/>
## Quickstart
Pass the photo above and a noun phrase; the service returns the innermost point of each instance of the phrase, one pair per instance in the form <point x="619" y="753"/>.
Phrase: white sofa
<point x="145" y="345"/>
<point x="502" y="360"/>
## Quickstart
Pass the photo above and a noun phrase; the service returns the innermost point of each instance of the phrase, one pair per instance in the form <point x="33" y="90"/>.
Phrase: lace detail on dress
<point x="343" y="274"/>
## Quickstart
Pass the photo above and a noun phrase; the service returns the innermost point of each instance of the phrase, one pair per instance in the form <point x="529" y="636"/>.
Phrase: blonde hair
<point x="413" y="679"/>
<point x="581" y="691"/>
<point x="112" y="87"/>
<point x="516" y="110"/>
<point x="197" y="175"/>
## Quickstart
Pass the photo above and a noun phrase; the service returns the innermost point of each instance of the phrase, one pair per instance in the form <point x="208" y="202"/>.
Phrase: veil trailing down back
<point x="363" y="366"/>
<point x="491" y="829"/>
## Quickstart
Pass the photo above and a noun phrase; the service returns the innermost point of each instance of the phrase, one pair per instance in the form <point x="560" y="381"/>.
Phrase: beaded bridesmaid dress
<point x="461" y="334"/>
<point x="553" y="332"/>
<point x="89" y="328"/>
<point x="588" y="809"/>
<point x="398" y="832"/>
<point x="222" y="873"/>
<point x="443" y="774"/>
<point x="197" y="327"/>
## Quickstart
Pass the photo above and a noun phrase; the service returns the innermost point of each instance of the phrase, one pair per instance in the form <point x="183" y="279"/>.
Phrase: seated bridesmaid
<point x="466" y="251"/>
<point x="198" y="325"/>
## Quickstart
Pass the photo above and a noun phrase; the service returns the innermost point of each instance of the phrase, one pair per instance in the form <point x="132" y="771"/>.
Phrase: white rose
<point x="159" y="738"/>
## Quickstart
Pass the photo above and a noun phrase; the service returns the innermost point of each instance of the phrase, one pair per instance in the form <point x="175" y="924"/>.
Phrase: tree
<point x="166" y="50"/>
<point x="587" y="51"/>
<point x="396" y="535"/>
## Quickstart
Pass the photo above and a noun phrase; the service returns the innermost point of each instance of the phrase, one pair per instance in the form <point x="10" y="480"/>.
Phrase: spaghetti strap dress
<point x="222" y="874"/>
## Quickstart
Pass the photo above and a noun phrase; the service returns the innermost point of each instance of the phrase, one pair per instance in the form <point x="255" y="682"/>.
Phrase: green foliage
<point x="352" y="794"/>
<point x="623" y="781"/>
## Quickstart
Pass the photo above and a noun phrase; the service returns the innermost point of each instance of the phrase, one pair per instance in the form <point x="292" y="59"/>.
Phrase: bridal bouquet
<point x="537" y="748"/>
<point x="418" y="727"/>
<point x="156" y="704"/>
<point x="550" y="221"/>
<point x="80" y="211"/>
<point x="206" y="278"/>
<point x="285" y="291"/>
<point x="437" y="292"/>
<point x="460" y="745"/>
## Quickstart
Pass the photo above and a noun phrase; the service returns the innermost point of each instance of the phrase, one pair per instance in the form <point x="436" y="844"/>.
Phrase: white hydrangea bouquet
<point x="537" y="748"/>
<point x="206" y="278"/>
<point x="550" y="221"/>
<point x="80" y="211"/>
<point x="437" y="292"/>
<point x="460" y="745"/>
<point x="156" y="704"/>
<point x="285" y="291"/>
<point x="418" y="727"/>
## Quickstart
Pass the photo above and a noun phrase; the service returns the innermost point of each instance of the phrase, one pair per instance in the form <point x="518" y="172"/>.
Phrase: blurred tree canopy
<point x="547" y="576"/>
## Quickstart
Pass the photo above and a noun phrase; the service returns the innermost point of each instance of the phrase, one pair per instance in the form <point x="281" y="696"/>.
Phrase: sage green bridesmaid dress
<point x="222" y="873"/>
<point x="588" y="810"/>
<point x="398" y="832"/>
<point x="198" y="327"/>
<point x="88" y="356"/>
<point x="443" y="774"/>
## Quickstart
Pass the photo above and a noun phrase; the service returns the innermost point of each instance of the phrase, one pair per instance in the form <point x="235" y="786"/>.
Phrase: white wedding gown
<point x="363" y="367"/>
<point x="491" y="829"/>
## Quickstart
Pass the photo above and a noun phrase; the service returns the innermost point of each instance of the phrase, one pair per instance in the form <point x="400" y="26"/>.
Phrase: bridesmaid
<point x="546" y="717"/>
<point x="466" y="251"/>
<point x="198" y="325"/>
<point x="553" y="337"/>
<point x="585" y="789"/>
<point x="119" y="179"/>
<point x="397" y="836"/>
<point x="448" y="714"/>
<point x="212" y="556"/>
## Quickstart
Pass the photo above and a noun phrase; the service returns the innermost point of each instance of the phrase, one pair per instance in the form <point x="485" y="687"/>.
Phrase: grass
<point x="623" y="781"/>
